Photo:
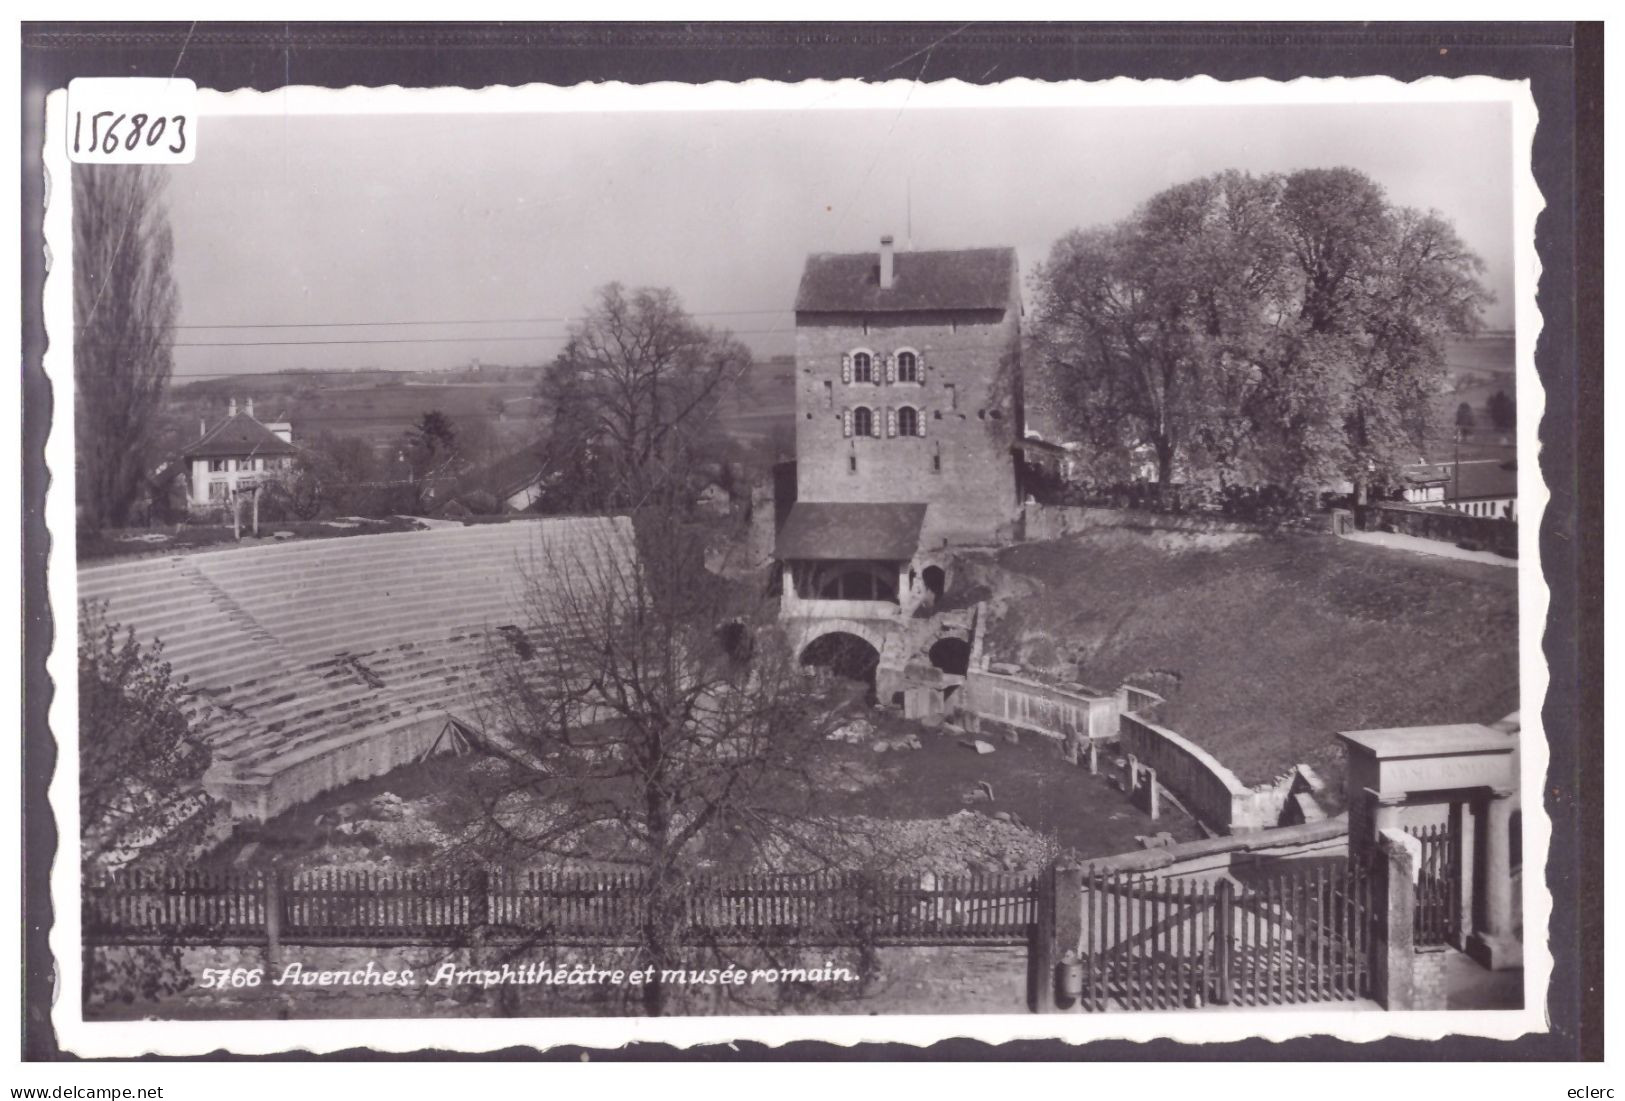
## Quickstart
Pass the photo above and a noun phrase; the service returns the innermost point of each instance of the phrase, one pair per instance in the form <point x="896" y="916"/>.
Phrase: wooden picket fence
<point x="1438" y="885"/>
<point x="370" y="908"/>
<point x="1302" y="935"/>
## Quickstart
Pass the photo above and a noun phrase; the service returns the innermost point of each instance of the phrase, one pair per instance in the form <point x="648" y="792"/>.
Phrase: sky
<point x="439" y="240"/>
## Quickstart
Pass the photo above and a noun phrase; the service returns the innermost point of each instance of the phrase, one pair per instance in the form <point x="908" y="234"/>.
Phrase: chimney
<point x="886" y="276"/>
<point x="231" y="407"/>
<point x="202" y="428"/>
<point x="250" y="409"/>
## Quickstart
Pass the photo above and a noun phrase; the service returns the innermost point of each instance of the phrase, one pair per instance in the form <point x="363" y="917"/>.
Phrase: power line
<point x="398" y="340"/>
<point x="462" y="321"/>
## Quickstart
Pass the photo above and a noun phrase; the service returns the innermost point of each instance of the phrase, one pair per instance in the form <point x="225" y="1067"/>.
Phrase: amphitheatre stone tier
<point x="309" y="665"/>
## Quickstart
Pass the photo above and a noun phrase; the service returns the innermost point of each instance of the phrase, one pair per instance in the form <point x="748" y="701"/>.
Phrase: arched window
<point x="863" y="368"/>
<point x="863" y="422"/>
<point x="908" y="367"/>
<point x="908" y="422"/>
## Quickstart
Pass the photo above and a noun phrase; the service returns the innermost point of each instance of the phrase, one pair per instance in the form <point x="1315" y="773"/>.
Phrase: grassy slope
<point x="1277" y="642"/>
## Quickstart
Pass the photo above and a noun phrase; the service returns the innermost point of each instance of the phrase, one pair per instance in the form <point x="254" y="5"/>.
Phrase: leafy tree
<point x="140" y="786"/>
<point x="431" y="443"/>
<point x="329" y="473"/>
<point x="124" y="306"/>
<point x="1503" y="412"/>
<point x="1152" y="330"/>
<point x="632" y="399"/>
<point x="1378" y="290"/>
<point x="1255" y="329"/>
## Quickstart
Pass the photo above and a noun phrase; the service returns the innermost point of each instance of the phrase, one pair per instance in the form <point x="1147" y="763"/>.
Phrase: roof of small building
<point x="1427" y="741"/>
<point x="510" y="473"/>
<point x="954" y="279"/>
<point x="237" y="436"/>
<point x="1479" y="479"/>
<point x="828" y="531"/>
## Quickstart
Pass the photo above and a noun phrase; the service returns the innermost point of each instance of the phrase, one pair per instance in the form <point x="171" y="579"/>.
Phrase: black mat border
<point x="1563" y="63"/>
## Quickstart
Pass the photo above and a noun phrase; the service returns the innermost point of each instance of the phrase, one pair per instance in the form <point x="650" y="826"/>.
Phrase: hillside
<point x="379" y="405"/>
<point x="1264" y="645"/>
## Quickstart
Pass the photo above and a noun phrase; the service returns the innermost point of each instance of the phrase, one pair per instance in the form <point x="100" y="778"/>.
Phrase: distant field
<point x="1477" y="367"/>
<point x="379" y="406"/>
<point x="765" y="404"/>
<point x="1273" y="644"/>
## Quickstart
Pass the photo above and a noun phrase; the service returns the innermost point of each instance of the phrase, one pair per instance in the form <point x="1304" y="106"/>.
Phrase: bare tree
<point x="655" y="720"/>
<point x="633" y="397"/>
<point x="124" y="306"/>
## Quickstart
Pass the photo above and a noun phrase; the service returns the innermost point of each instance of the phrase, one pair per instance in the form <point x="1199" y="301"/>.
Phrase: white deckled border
<point x="127" y="1039"/>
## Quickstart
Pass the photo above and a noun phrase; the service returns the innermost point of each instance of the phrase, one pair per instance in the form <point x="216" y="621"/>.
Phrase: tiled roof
<point x="826" y="531"/>
<point x="958" y="279"/>
<point x="238" y="436"/>
<point x="1479" y="479"/>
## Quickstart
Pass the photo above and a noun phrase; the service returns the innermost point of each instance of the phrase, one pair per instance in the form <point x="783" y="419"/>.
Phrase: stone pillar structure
<point x="1068" y="925"/>
<point x="1041" y="953"/>
<point x="1464" y="821"/>
<point x="1495" y="945"/>
<point x="1371" y="812"/>
<point x="1393" y="973"/>
<point x="1394" y="768"/>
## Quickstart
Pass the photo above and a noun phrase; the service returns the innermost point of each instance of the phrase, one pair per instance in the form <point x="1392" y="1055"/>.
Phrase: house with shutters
<point x="908" y="418"/>
<point x="235" y="454"/>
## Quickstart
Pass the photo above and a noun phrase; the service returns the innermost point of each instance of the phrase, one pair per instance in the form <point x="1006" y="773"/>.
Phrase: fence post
<point x="479" y="917"/>
<point x="479" y="898"/>
<point x="1041" y="947"/>
<point x="1393" y="937"/>
<point x="1068" y="930"/>
<point x="1224" y="900"/>
<point x="273" y="919"/>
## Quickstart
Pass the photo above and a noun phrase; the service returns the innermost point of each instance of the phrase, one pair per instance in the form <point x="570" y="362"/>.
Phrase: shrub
<point x="481" y="503"/>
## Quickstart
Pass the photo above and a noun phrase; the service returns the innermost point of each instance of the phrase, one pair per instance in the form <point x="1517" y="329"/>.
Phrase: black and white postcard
<point x="775" y="561"/>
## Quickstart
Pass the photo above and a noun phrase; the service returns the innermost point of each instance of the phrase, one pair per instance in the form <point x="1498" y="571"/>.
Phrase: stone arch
<point x="951" y="654"/>
<point x="935" y="579"/>
<point x="845" y="653"/>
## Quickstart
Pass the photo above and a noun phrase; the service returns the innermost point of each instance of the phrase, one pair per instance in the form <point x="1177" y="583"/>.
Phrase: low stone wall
<point x="1041" y="708"/>
<point x="1443" y="524"/>
<point x="1209" y="790"/>
<point x="327" y="766"/>
<point x="1056" y="521"/>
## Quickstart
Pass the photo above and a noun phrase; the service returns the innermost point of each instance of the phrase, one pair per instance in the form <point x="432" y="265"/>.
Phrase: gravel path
<point x="1437" y="547"/>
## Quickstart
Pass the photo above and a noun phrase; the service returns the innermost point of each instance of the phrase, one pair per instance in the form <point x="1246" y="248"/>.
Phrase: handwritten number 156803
<point x="107" y="138"/>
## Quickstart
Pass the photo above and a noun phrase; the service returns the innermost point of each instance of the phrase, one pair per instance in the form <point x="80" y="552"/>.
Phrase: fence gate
<point x="1438" y="885"/>
<point x="1304" y="935"/>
